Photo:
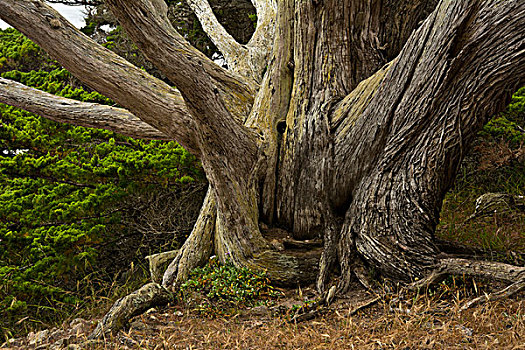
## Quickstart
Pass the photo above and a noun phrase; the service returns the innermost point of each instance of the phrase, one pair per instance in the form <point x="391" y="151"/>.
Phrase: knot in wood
<point x="281" y="127"/>
<point x="55" y="23"/>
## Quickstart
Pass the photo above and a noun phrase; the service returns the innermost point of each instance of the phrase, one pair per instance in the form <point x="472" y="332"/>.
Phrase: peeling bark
<point x="351" y="130"/>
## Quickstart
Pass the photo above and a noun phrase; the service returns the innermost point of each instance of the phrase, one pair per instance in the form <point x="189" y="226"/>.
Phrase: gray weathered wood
<point x="353" y="133"/>
<point x="146" y="297"/>
<point x="69" y="111"/>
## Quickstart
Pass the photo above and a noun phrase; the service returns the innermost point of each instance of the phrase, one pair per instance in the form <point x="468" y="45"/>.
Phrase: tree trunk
<point x="350" y="132"/>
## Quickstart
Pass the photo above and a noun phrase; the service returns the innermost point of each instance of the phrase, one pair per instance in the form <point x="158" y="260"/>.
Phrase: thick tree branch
<point x="147" y="24"/>
<point x="148" y="98"/>
<point x="249" y="60"/>
<point x="454" y="54"/>
<point x="229" y="47"/>
<point x="64" y="110"/>
<point x="405" y="134"/>
<point x="218" y="100"/>
<point x="260" y="45"/>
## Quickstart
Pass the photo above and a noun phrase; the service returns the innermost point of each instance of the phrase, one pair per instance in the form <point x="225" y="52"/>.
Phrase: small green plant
<point x="253" y="18"/>
<point x="221" y="289"/>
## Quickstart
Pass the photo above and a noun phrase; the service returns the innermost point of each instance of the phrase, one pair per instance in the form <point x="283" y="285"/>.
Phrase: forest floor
<point x="430" y="320"/>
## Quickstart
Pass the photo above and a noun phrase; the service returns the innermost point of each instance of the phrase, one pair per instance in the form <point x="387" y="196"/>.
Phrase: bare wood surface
<point x="148" y="98"/>
<point x="74" y="112"/>
<point x="146" y="297"/>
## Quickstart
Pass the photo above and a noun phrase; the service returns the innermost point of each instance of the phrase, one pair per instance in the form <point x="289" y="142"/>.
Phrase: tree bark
<point x="64" y="110"/>
<point x="350" y="129"/>
<point x="424" y="117"/>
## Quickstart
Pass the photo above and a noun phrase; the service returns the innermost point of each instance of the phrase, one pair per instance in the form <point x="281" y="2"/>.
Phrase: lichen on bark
<point x="349" y="127"/>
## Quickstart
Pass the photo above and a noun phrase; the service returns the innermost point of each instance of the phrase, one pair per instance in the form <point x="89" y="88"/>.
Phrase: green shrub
<point x="509" y="125"/>
<point x="18" y="52"/>
<point x="222" y="289"/>
<point x="63" y="196"/>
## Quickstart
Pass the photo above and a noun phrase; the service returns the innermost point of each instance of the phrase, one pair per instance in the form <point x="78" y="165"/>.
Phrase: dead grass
<point x="409" y="321"/>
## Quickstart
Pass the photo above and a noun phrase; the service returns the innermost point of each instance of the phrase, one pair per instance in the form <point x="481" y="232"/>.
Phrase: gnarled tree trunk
<point x="344" y="121"/>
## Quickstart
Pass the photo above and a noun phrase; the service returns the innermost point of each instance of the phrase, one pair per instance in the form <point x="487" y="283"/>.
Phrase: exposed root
<point x="158" y="264"/>
<point x="454" y="266"/>
<point x="150" y="295"/>
<point x="363" y="275"/>
<point x="426" y="282"/>
<point x="315" y="307"/>
<point x="502" y="294"/>
<point x="484" y="269"/>
<point x="474" y="268"/>
<point x="310" y="310"/>
<point x="329" y="255"/>
<point x="197" y="248"/>
<point x="308" y="314"/>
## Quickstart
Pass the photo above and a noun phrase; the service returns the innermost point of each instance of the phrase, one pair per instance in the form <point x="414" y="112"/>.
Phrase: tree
<point x="339" y="120"/>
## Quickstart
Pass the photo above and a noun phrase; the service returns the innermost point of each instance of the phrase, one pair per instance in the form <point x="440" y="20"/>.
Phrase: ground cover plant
<point x="221" y="289"/>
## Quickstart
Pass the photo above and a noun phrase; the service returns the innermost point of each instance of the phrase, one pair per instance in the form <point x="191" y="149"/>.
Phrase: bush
<point x="222" y="289"/>
<point x="70" y="194"/>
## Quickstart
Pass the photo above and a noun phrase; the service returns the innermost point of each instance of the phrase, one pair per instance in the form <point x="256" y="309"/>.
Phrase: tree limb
<point x="64" y="110"/>
<point x="200" y="80"/>
<point x="248" y="60"/>
<point x="456" y="49"/>
<point x="260" y="45"/>
<point x="148" y="98"/>
<point x="229" y="47"/>
<point x="218" y="100"/>
<point x="398" y="155"/>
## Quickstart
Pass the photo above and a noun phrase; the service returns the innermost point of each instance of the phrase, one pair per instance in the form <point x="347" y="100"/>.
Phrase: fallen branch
<point x="150" y="295"/>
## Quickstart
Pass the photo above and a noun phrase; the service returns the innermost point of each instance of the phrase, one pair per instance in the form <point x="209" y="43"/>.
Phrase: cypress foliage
<point x="65" y="192"/>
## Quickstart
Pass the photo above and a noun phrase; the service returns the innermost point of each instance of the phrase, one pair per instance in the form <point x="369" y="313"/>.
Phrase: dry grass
<point x="501" y="232"/>
<point x="491" y="167"/>
<point x="428" y="321"/>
